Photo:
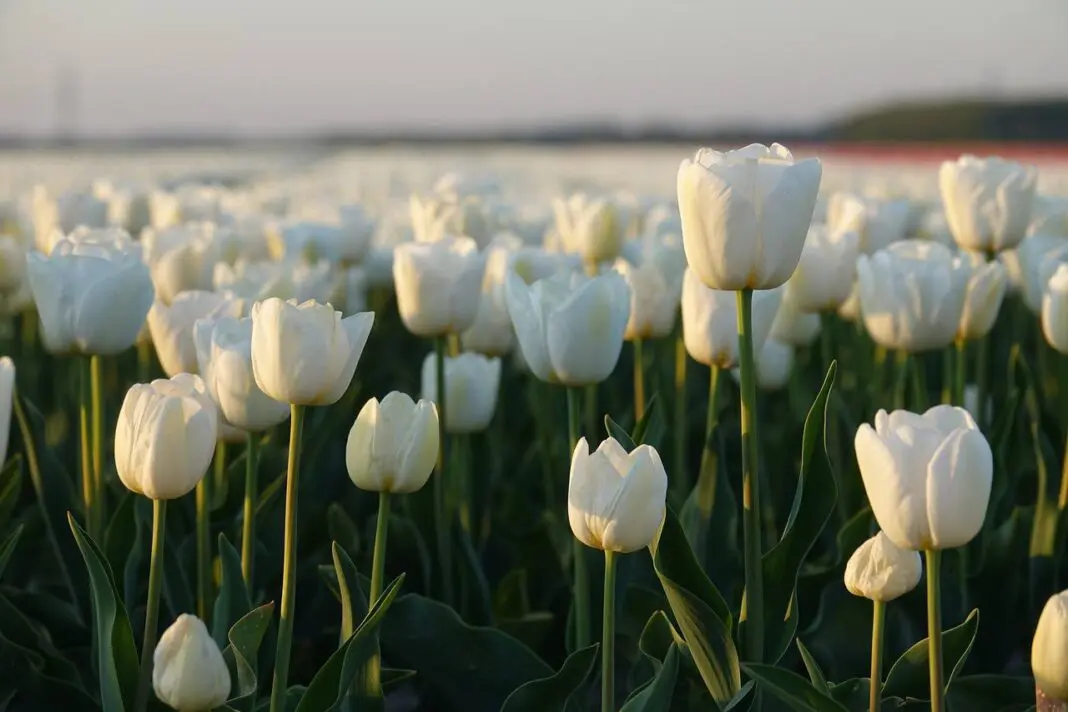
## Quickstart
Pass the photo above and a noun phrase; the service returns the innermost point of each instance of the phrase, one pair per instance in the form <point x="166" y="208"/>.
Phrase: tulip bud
<point x="165" y="436"/>
<point x="92" y="297"/>
<point x="588" y="228"/>
<point x="438" y="285"/>
<point x="616" y="500"/>
<point x="189" y="673"/>
<point x="826" y="271"/>
<point x="987" y="201"/>
<point x="569" y="326"/>
<point x="393" y="445"/>
<point x="306" y="354"/>
<point x="181" y="258"/>
<point x="7" y="395"/>
<point x="1055" y="310"/>
<point x="172" y="327"/>
<point x="710" y="321"/>
<point x="927" y="476"/>
<point x="254" y="281"/>
<point x="471" y="399"/>
<point x="745" y="214"/>
<point x="1049" y="649"/>
<point x="878" y="223"/>
<point x="982" y="300"/>
<point x="880" y="571"/>
<point x="653" y="301"/>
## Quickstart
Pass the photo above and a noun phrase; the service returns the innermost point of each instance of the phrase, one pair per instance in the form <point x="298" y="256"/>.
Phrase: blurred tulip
<point x="7" y="395"/>
<point x="254" y="281"/>
<point x="472" y="381"/>
<point x="181" y="258"/>
<point x="81" y="209"/>
<point x="987" y="201"/>
<point x="306" y="354"/>
<point x="569" y="326"/>
<point x="878" y="223"/>
<point x="880" y="571"/>
<point x="357" y="229"/>
<point x="588" y="227"/>
<point x="189" y="673"/>
<point x="171" y="326"/>
<point x="165" y="437"/>
<point x="1049" y="648"/>
<point x="1037" y="257"/>
<point x="354" y="290"/>
<point x="492" y="333"/>
<point x="745" y="214"/>
<point x="1055" y="310"/>
<point x="393" y="445"/>
<point x="438" y="285"/>
<point x="927" y="476"/>
<point x="982" y="300"/>
<point x="616" y="500"/>
<point x="653" y="301"/>
<point x="792" y="326"/>
<point x="826" y="271"/>
<point x="710" y="321"/>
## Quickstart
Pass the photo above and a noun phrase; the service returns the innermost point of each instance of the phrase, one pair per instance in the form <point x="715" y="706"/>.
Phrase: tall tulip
<point x="982" y="302"/>
<point x="438" y="285"/>
<point x="987" y="201"/>
<point x="472" y="382"/>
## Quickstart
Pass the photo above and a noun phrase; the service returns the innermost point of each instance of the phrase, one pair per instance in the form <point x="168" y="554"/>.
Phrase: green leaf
<point x="425" y="635"/>
<point x="116" y="653"/>
<point x="794" y="690"/>
<point x="615" y="430"/>
<point x="8" y="548"/>
<point x="909" y="675"/>
<point x="641" y="428"/>
<point x="815" y="674"/>
<point x="342" y="529"/>
<point x="656" y="695"/>
<point x="242" y="653"/>
<point x="550" y="694"/>
<point x="334" y="679"/>
<point x="703" y="616"/>
<point x="10" y="488"/>
<point x="813" y="505"/>
<point x="367" y="687"/>
<point x="233" y="600"/>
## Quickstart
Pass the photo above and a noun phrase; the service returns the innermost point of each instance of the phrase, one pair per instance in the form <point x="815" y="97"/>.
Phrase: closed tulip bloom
<point x="430" y="217"/>
<point x="224" y="360"/>
<point x="91" y="298"/>
<point x="1049" y="648"/>
<point x="181" y="258"/>
<point x="1055" y="310"/>
<point x="165" y="436"/>
<point x="773" y="365"/>
<point x="189" y="673"/>
<point x="982" y="300"/>
<point x="438" y="285"/>
<point x="570" y="327"/>
<point x="710" y="321"/>
<point x="536" y="263"/>
<point x="81" y="209"/>
<point x="745" y="214"/>
<point x="880" y="571"/>
<point x="927" y="476"/>
<point x="7" y="395"/>
<point x="171" y="326"/>
<point x="492" y="333"/>
<point x="357" y="229"/>
<point x="987" y="201"/>
<point x="912" y="295"/>
<point x="616" y="500"/>
<point x="792" y="326"/>
<point x="473" y="382"/>
<point x="877" y="222"/>
<point x="653" y="301"/>
<point x="306" y="354"/>
<point x="826" y="272"/>
<point x="1037" y="258"/>
<point x="393" y="445"/>
<point x="589" y="228"/>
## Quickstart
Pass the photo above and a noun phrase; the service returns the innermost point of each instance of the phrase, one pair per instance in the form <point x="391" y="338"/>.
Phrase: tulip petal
<point x="959" y="478"/>
<point x="357" y="328"/>
<point x="638" y="508"/>
<point x="895" y="494"/>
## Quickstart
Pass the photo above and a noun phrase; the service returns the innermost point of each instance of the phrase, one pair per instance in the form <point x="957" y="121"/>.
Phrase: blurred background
<point x="325" y="71"/>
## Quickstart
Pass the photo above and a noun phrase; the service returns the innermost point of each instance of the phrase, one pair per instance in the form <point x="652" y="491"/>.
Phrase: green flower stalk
<point x="442" y="526"/>
<point x="639" y="381"/>
<point x="934" y="630"/>
<point x="248" y="522"/>
<point x="155" y="587"/>
<point x="581" y="577"/>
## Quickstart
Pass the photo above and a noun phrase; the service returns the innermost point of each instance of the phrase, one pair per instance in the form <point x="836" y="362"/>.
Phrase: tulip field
<point x="534" y="430"/>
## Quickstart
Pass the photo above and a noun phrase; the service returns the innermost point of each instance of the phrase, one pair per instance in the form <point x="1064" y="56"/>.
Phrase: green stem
<point x="248" y="523"/>
<point x="462" y="443"/>
<point x="960" y="371"/>
<point x="639" y="381"/>
<point x="441" y="511"/>
<point x="95" y="372"/>
<point x="948" y="383"/>
<point x="934" y="629"/>
<point x="89" y="490"/>
<point x="289" y="564"/>
<point x="203" y="539"/>
<point x="1062" y="497"/>
<point x="155" y="585"/>
<point x="144" y="362"/>
<point x="901" y="375"/>
<point x="592" y="422"/>
<point x="878" y="624"/>
<point x="378" y="564"/>
<point x="712" y="415"/>
<point x="608" y="635"/>
<point x="751" y="525"/>
<point x="582" y="582"/>
<point x="680" y="480"/>
<point x="982" y="379"/>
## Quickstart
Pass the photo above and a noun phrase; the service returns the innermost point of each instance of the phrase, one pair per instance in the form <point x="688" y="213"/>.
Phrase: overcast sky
<point x="269" y="66"/>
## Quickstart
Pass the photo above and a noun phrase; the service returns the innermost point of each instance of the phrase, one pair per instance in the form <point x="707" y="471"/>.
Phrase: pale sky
<point x="283" y="66"/>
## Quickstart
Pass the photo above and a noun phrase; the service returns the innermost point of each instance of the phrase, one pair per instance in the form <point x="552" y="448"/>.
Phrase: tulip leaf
<point x="8" y="548"/>
<point x="367" y="686"/>
<point x="616" y="431"/>
<point x="550" y="694"/>
<point x="641" y="428"/>
<point x="793" y="690"/>
<point x="813" y="505"/>
<point x="233" y="600"/>
<point x="703" y="616"/>
<point x="425" y="635"/>
<point x="662" y="646"/>
<point x="341" y="528"/>
<point x="242" y="653"/>
<point x="334" y="680"/>
<point x="815" y="674"/>
<point x="116" y="653"/>
<point x="909" y="675"/>
<point x="10" y="488"/>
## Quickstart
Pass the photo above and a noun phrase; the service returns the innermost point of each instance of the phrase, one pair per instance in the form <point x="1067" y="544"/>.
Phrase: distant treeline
<point x="1038" y="120"/>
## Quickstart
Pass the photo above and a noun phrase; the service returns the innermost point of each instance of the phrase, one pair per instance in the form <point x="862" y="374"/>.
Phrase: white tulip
<point x="987" y="201"/>
<point x="164" y="209"/>
<point x="878" y="223"/>
<point x="306" y="354"/>
<point x="927" y="476"/>
<point x="171" y="326"/>
<point x="357" y="229"/>
<point x="1049" y="215"/>
<point x="773" y="366"/>
<point x="710" y="321"/>
<point x="982" y="300"/>
<point x="912" y="295"/>
<point x="1049" y="648"/>
<point x="569" y="326"/>
<point x="438" y="285"/>
<point x="826" y="271"/>
<point x="354" y="290"/>
<point x="616" y="500"/>
<point x="1055" y="309"/>
<point x="7" y="395"/>
<point x="318" y="281"/>
<point x="653" y="301"/>
<point x="589" y="228"/>
<point x="224" y="359"/>
<point x="792" y="326"/>
<point x="880" y="571"/>
<point x="189" y="673"/>
<point x="254" y="281"/>
<point x="535" y="263"/>
<point x="850" y="308"/>
<point x="81" y="209"/>
<point x="182" y="258"/>
<point x="1038" y="257"/>
<point x="492" y="333"/>
<point x="472" y="381"/>
<point x="745" y="214"/>
<point x="92" y="298"/>
<point x="393" y="445"/>
<point x="165" y="436"/>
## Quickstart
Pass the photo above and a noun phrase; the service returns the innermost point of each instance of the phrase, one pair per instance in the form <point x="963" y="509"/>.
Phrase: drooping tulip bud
<point x="880" y="571"/>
